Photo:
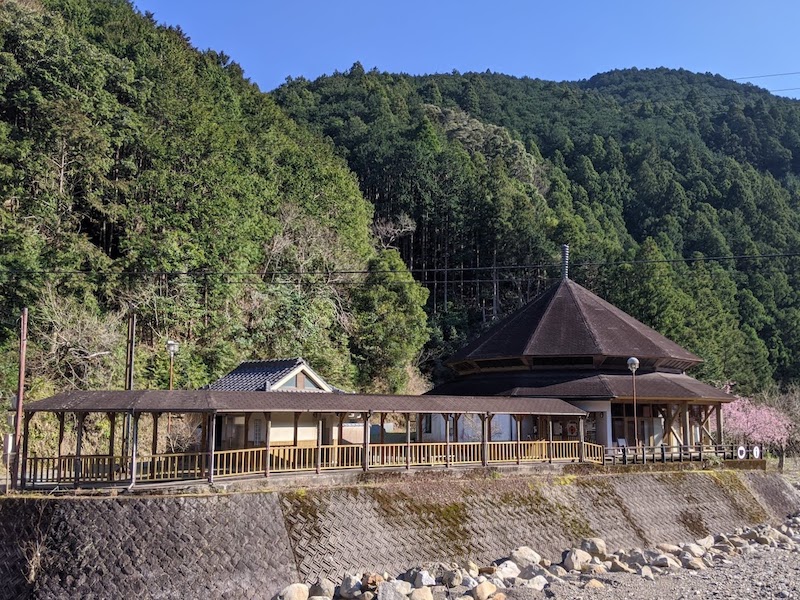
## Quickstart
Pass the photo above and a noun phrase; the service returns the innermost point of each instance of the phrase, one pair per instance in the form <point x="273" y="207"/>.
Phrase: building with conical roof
<point x="571" y="344"/>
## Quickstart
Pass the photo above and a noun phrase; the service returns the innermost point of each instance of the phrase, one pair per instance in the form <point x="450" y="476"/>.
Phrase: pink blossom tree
<point x="753" y="423"/>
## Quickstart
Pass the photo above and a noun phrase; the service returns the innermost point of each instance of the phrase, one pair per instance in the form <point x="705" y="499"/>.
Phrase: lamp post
<point x="172" y="348"/>
<point x="633" y="364"/>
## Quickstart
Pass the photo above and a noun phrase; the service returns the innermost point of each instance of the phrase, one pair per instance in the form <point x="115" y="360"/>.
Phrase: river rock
<point x="593" y="584"/>
<point x="575" y="558"/>
<point x="422" y="593"/>
<point x="595" y="547"/>
<point x="617" y="566"/>
<point x="646" y="573"/>
<point x="424" y="578"/>
<point x="706" y="542"/>
<point x="392" y="590"/>
<point x="482" y="591"/>
<point x="694" y="549"/>
<point x="557" y="570"/>
<point x="525" y="556"/>
<point x="370" y="581"/>
<point x="669" y="549"/>
<point x="666" y="561"/>
<point x="351" y="586"/>
<point x="538" y="583"/>
<point x="452" y="578"/>
<point x="507" y="569"/>
<point x="295" y="591"/>
<point x="323" y="587"/>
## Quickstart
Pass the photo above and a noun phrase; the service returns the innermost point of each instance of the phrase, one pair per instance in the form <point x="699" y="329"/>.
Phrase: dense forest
<point x="370" y="222"/>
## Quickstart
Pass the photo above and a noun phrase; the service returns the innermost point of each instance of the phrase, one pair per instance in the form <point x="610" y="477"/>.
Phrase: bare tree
<point x="388" y="231"/>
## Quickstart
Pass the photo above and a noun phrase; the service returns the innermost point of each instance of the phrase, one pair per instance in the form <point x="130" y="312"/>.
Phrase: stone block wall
<point x="250" y="545"/>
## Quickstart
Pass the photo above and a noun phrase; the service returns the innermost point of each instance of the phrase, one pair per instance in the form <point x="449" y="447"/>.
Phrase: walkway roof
<point x="185" y="401"/>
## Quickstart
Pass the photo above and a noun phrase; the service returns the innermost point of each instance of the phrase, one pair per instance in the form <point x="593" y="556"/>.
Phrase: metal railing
<point x="663" y="453"/>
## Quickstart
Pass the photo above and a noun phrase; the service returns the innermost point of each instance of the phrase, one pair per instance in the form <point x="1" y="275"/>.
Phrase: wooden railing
<point x="92" y="468"/>
<point x="284" y="459"/>
<point x="292" y="458"/>
<point x="348" y="456"/>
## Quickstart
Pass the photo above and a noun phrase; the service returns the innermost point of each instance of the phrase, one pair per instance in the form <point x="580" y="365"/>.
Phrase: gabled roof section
<point x="268" y="375"/>
<point x="569" y="320"/>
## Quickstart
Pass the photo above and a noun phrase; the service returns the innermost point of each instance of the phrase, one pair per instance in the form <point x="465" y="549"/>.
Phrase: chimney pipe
<point x="564" y="261"/>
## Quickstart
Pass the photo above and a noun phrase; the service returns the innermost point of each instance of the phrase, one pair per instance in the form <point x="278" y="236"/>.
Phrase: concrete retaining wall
<point x="249" y="545"/>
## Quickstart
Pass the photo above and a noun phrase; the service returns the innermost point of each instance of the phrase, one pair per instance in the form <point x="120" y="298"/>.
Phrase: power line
<point x="765" y="76"/>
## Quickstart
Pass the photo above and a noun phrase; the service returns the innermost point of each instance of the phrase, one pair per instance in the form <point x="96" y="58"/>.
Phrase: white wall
<point x="469" y="429"/>
<point x="603" y="410"/>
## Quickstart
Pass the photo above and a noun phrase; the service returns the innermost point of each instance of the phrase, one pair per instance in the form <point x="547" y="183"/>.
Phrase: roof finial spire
<point x="564" y="261"/>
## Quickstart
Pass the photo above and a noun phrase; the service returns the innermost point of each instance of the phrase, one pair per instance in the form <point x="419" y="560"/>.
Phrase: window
<point x="427" y="424"/>
<point x="310" y="385"/>
<point x="290" y="383"/>
<point x="258" y="432"/>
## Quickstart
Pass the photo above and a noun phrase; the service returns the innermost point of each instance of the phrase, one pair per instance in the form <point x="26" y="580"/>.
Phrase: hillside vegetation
<point x="137" y="172"/>
<point x="320" y="219"/>
<point x="636" y="170"/>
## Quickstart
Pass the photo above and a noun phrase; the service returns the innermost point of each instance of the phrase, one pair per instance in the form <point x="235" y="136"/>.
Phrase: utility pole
<point x="23" y="347"/>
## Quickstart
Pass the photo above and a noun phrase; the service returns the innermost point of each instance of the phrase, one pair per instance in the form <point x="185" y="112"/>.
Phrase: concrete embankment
<point x="251" y="544"/>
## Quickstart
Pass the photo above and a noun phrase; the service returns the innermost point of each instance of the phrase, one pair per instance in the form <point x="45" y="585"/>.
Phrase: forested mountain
<point x="484" y="176"/>
<point x="137" y="172"/>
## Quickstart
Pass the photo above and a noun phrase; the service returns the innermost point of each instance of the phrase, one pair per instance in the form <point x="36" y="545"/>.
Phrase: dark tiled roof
<point x="569" y="320"/>
<point x="182" y="401"/>
<point x="588" y="384"/>
<point x="256" y="375"/>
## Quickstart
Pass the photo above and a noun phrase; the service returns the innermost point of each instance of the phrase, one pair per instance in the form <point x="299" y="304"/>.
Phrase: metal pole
<point x="635" y="416"/>
<point x="23" y="347"/>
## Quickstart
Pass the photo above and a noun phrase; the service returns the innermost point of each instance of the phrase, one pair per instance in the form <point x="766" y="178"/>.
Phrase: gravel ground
<point x="764" y="574"/>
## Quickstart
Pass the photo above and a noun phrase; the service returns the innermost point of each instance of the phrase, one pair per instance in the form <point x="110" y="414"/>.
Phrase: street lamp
<point x="172" y="348"/>
<point x="633" y="364"/>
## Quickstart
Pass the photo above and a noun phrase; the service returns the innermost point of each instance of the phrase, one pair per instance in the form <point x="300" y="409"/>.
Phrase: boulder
<point x="370" y="581"/>
<point x="595" y="547"/>
<point x="525" y="556"/>
<point x="692" y="562"/>
<point x="706" y="542"/>
<point x="390" y="590"/>
<point x="482" y="591"/>
<point x="295" y="591"/>
<point x="538" y="583"/>
<point x="471" y="568"/>
<point x="452" y="578"/>
<point x="323" y="587"/>
<point x="594" y="569"/>
<point x="694" y="549"/>
<point x="618" y="566"/>
<point x="646" y="573"/>
<point x="424" y="578"/>
<point x="666" y="561"/>
<point x="593" y="584"/>
<point x="575" y="558"/>
<point x="507" y="569"/>
<point x="404" y="587"/>
<point x="469" y="581"/>
<point x="557" y="570"/>
<point x="669" y="549"/>
<point x="422" y="593"/>
<point x="351" y="586"/>
<point x="367" y="596"/>
<point x="532" y="571"/>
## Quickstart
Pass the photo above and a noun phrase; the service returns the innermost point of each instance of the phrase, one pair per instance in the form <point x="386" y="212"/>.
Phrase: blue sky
<point x="556" y="40"/>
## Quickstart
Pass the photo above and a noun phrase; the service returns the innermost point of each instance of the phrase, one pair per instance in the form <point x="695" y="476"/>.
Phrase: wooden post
<point x="246" y="427"/>
<point x="447" y="438"/>
<point x="340" y="436"/>
<point x="296" y="423"/>
<point x="366" y="416"/>
<point x="134" y="445"/>
<point x="112" y="422"/>
<point x="518" y="423"/>
<point x="78" y="448"/>
<point x="154" y="448"/>
<point x="549" y="439"/>
<point x="267" y="434"/>
<point x="489" y="428"/>
<point x="581" y="449"/>
<point x="24" y="458"/>
<point x="456" y="418"/>
<point x="383" y="423"/>
<point x="718" y="411"/>
<point x="687" y="439"/>
<point x="408" y="441"/>
<point x="212" y="440"/>
<point x="203" y="443"/>
<point x="60" y="444"/>
<point x="319" y="444"/>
